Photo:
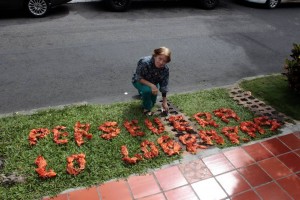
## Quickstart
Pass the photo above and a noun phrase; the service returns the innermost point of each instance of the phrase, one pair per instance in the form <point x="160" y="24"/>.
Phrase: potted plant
<point x="292" y="69"/>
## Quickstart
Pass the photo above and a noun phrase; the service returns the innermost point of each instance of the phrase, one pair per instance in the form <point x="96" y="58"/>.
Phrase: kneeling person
<point x="151" y="76"/>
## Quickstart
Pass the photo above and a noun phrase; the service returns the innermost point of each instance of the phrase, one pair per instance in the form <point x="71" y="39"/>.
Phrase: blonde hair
<point x="163" y="51"/>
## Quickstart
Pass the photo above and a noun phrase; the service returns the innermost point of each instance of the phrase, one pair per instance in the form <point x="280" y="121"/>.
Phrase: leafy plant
<point x="292" y="69"/>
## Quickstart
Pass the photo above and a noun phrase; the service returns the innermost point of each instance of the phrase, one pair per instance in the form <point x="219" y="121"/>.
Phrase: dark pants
<point x="148" y="98"/>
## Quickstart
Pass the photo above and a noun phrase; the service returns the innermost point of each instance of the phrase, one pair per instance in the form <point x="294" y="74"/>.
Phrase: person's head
<point x="162" y="56"/>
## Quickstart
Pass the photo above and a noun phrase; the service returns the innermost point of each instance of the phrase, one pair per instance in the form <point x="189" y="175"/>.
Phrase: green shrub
<point x="292" y="69"/>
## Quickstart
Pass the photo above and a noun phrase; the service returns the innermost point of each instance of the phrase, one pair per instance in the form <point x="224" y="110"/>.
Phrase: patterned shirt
<point x="148" y="71"/>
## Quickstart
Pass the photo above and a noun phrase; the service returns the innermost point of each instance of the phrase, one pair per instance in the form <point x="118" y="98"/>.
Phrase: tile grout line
<point x="246" y="180"/>
<point x="129" y="188"/>
<point x="214" y="176"/>
<point x="273" y="179"/>
<point x="190" y="184"/>
<point x="281" y="178"/>
<point x="284" y="190"/>
<point x="252" y="188"/>
<point x="228" y="196"/>
<point x="286" y="145"/>
<point x="99" y="192"/>
<point x="157" y="182"/>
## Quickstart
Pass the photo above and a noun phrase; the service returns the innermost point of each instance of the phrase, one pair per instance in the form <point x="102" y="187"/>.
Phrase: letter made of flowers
<point x="133" y="128"/>
<point x="160" y="129"/>
<point x="169" y="146"/>
<point x="80" y="159"/>
<point x="205" y="119"/>
<point x="180" y="124"/>
<point x="36" y="134"/>
<point x="225" y="114"/>
<point x="58" y="133"/>
<point x="41" y="168"/>
<point x="80" y="131"/>
<point x="190" y="141"/>
<point x="110" y="130"/>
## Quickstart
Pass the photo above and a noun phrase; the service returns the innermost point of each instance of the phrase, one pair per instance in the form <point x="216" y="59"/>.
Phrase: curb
<point x="36" y="110"/>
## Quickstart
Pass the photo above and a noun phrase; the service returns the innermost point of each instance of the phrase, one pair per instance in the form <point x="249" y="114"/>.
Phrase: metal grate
<point x="258" y="107"/>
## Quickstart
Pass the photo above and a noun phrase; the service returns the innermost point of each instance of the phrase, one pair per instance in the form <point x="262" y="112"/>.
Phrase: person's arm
<point x="165" y="104"/>
<point x="164" y="90"/>
<point x="151" y="85"/>
<point x="142" y="66"/>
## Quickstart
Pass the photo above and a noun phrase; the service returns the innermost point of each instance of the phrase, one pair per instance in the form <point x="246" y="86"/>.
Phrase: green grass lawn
<point x="274" y="91"/>
<point x="103" y="157"/>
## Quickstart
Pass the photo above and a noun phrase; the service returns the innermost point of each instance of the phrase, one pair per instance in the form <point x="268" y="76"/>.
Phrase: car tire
<point x="37" y="8"/>
<point x="118" y="5"/>
<point x="209" y="4"/>
<point x="272" y="3"/>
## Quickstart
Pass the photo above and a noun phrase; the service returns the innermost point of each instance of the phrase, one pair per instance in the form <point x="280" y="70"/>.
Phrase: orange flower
<point x="275" y="125"/>
<point x="179" y="123"/>
<point x="153" y="149"/>
<point x="157" y="131"/>
<point x="232" y="134"/>
<point x="208" y="135"/>
<point x="41" y="170"/>
<point x="264" y="120"/>
<point x="205" y="137"/>
<point x="111" y="130"/>
<point x="35" y="134"/>
<point x="127" y="159"/>
<point x="57" y="134"/>
<point x="225" y="113"/>
<point x="80" y="131"/>
<point x="250" y="128"/>
<point x="191" y="143"/>
<point x="132" y="128"/>
<point x="188" y="138"/>
<point x="169" y="146"/>
<point x="207" y="121"/>
<point x="80" y="159"/>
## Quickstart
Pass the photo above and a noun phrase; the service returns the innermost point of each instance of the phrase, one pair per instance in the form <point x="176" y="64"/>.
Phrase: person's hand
<point x="165" y="106"/>
<point x="154" y="90"/>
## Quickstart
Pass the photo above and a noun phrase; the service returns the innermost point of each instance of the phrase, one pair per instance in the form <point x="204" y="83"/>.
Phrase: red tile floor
<point x="268" y="170"/>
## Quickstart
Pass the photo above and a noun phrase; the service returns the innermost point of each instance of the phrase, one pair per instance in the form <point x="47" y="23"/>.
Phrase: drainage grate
<point x="258" y="107"/>
<point x="173" y="110"/>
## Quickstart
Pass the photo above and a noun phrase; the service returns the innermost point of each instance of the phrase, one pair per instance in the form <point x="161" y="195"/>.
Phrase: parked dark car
<point x="123" y="5"/>
<point x="35" y="8"/>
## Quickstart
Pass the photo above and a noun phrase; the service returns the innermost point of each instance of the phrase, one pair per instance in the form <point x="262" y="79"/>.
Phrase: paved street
<point x="83" y="53"/>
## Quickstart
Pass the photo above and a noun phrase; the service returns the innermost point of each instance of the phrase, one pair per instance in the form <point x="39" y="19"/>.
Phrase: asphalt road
<point x="83" y="53"/>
